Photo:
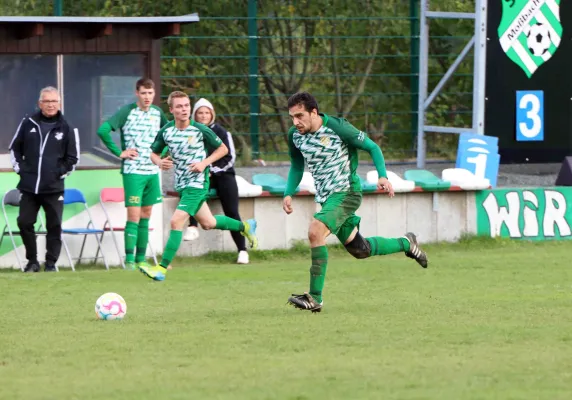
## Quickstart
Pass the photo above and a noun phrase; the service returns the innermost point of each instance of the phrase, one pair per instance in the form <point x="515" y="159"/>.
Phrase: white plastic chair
<point x="307" y="183"/>
<point x="247" y="189"/>
<point x="399" y="184"/>
<point x="465" y="179"/>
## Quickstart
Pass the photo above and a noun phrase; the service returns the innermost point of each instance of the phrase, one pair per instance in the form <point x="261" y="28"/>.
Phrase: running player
<point x="188" y="143"/>
<point x="328" y="146"/>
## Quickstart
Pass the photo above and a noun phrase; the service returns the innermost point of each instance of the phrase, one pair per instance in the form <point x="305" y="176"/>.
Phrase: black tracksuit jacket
<point x="44" y="159"/>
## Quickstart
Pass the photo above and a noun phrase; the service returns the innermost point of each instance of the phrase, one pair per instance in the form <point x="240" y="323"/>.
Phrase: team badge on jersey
<point x="324" y="140"/>
<point x="192" y="140"/>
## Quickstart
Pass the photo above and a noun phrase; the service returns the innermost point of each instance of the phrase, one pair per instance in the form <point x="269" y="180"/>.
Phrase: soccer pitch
<point x="487" y="320"/>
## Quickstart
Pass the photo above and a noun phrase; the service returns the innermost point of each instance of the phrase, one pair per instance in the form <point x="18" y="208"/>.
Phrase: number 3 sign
<point x="529" y="116"/>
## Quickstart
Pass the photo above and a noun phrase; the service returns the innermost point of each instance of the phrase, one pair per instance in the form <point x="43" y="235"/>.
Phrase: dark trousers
<point x="53" y="205"/>
<point x="227" y="191"/>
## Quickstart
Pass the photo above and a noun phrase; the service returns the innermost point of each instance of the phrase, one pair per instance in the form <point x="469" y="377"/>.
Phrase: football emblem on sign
<point x="530" y="32"/>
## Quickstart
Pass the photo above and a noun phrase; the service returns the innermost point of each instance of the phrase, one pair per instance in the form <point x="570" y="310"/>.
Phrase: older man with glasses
<point x="44" y="151"/>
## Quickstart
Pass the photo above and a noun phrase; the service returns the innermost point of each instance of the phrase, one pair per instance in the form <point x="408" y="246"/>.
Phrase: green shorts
<point x="141" y="190"/>
<point x="192" y="200"/>
<point x="338" y="213"/>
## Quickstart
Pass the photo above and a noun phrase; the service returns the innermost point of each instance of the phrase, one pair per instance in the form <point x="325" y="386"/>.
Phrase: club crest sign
<point x="530" y="32"/>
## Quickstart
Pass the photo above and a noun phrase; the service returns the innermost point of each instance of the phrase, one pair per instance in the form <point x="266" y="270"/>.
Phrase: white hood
<point x="202" y="102"/>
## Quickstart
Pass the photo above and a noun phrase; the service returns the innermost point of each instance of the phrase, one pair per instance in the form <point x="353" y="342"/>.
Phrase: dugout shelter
<point x="94" y="62"/>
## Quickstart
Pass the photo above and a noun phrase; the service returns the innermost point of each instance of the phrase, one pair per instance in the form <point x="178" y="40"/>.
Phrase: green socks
<point x="383" y="246"/>
<point x="142" y="239"/>
<point x="228" y="224"/>
<point x="318" y="271"/>
<point x="175" y="238"/>
<point x="130" y="235"/>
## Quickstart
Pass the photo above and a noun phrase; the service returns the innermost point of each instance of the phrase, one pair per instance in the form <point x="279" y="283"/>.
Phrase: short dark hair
<point x="146" y="83"/>
<point x="303" y="98"/>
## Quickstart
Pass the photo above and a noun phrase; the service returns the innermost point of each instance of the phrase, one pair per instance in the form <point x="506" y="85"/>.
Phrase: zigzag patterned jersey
<point x="187" y="146"/>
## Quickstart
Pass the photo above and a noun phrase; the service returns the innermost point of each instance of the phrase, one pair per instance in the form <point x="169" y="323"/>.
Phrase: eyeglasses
<point x="50" y="101"/>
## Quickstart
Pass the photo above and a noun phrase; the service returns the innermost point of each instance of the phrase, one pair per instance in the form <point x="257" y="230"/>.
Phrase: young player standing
<point x="189" y="143"/>
<point x="328" y="146"/>
<point x="138" y="124"/>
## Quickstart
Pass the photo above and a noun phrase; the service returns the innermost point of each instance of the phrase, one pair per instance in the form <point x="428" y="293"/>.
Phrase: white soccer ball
<point x="538" y="39"/>
<point x="110" y="306"/>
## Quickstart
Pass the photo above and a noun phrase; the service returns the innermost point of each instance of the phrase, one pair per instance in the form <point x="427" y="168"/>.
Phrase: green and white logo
<point x="530" y="32"/>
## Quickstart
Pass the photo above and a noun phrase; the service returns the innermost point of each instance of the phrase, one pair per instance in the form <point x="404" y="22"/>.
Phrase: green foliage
<point x="354" y="56"/>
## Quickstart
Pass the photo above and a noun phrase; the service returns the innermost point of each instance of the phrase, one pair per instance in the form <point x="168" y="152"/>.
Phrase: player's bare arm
<point x="384" y="184"/>
<point x="287" y="204"/>
<point x="219" y="153"/>
<point x="164" y="163"/>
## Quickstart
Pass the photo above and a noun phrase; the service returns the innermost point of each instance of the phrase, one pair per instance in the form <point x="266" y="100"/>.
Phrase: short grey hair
<point x="48" y="89"/>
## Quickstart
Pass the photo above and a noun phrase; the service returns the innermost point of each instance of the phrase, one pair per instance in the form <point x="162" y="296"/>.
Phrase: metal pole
<point x="423" y="70"/>
<point x="58" y="8"/>
<point x="414" y="61"/>
<point x="253" y="75"/>
<point x="479" y="68"/>
<point x="450" y="72"/>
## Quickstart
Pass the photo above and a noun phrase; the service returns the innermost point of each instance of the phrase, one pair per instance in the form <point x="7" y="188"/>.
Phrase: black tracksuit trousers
<point x="53" y="205"/>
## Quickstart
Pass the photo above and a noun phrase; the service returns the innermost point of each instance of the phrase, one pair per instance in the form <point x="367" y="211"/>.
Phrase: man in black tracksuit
<point x="222" y="177"/>
<point x="44" y="151"/>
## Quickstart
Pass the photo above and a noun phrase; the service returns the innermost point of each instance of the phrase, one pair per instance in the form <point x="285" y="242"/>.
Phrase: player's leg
<point x="361" y="247"/>
<point x="143" y="236"/>
<point x="228" y="195"/>
<point x="334" y="213"/>
<point x="178" y="223"/>
<point x="312" y="301"/>
<point x="151" y="196"/>
<point x="209" y="221"/>
<point x="133" y="186"/>
<point x="192" y="231"/>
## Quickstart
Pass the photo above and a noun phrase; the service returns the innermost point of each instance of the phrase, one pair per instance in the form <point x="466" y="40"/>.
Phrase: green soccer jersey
<point x="138" y="130"/>
<point x="186" y="147"/>
<point x="331" y="156"/>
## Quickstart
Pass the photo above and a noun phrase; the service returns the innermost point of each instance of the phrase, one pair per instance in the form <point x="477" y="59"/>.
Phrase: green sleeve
<point x="114" y="123"/>
<point x="119" y="119"/>
<point x="159" y="144"/>
<point x="211" y="140"/>
<point x="359" y="140"/>
<point x="296" y="168"/>
<point x="104" y="133"/>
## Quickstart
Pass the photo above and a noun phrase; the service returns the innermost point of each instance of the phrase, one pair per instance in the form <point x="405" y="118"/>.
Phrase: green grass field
<point x="489" y="319"/>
